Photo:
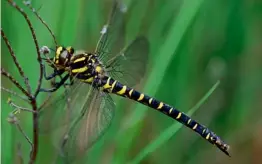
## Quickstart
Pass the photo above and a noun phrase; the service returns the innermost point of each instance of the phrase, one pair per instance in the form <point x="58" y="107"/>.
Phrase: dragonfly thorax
<point x="86" y="67"/>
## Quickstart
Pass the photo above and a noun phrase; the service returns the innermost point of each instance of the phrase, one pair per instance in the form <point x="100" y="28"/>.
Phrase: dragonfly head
<point x="63" y="56"/>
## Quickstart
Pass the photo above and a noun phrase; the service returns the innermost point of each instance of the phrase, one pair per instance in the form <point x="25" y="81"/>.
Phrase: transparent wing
<point x="76" y="119"/>
<point x="129" y="65"/>
<point x="112" y="34"/>
<point x="64" y="107"/>
<point x="96" y="117"/>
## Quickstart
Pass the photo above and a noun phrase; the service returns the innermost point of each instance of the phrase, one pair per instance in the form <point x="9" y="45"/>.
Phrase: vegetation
<point x="194" y="45"/>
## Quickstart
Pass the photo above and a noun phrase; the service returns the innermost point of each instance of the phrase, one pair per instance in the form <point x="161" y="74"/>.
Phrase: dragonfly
<point x="84" y="109"/>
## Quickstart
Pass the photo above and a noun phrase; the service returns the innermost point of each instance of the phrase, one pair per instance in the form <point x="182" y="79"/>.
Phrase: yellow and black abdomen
<point x="117" y="88"/>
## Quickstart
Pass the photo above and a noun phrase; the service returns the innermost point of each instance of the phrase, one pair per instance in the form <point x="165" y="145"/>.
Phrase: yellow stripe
<point x="195" y="127"/>
<point x="79" y="70"/>
<point x="141" y="97"/>
<point x="188" y="122"/>
<point x="79" y="59"/>
<point x="150" y="100"/>
<point x="207" y="137"/>
<point x="203" y="131"/>
<point x="170" y="111"/>
<point x="89" y="80"/>
<point x="122" y="91"/>
<point x="160" y="105"/>
<point x="98" y="69"/>
<point x="211" y="138"/>
<point x="130" y="92"/>
<point x="113" y="85"/>
<point x="106" y="86"/>
<point x="179" y="115"/>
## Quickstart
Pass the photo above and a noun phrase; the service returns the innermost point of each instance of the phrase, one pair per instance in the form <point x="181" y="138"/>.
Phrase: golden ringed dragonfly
<point x="85" y="108"/>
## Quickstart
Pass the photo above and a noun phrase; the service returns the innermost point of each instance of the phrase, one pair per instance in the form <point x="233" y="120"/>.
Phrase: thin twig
<point x="15" y="94"/>
<point x="39" y="59"/>
<point x="11" y="78"/>
<point x="13" y="120"/>
<point x="33" y="153"/>
<point x="23" y="133"/>
<point x="12" y="104"/>
<point x="28" y="4"/>
<point x="15" y="61"/>
<point x="39" y="83"/>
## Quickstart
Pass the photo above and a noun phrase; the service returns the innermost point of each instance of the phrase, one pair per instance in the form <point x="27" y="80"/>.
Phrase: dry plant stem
<point x="34" y="146"/>
<point x="33" y="153"/>
<point x="28" y="4"/>
<point x="21" y="108"/>
<point x="40" y="77"/>
<point x="12" y="79"/>
<point x="15" y="94"/>
<point x="23" y="133"/>
<point x="15" y="61"/>
<point x="39" y="59"/>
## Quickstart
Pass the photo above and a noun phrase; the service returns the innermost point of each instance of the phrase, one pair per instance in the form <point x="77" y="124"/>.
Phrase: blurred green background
<point x="193" y="44"/>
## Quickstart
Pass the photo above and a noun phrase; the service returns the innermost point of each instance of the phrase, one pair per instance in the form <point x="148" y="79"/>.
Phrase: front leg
<point x="54" y="74"/>
<point x="56" y="85"/>
<point x="71" y="81"/>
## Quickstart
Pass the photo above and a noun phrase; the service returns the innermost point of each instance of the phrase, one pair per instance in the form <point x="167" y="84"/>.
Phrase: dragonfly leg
<point x="56" y="85"/>
<point x="51" y="76"/>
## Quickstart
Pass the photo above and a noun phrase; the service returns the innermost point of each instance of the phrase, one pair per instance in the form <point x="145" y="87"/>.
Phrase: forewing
<point x="129" y="65"/>
<point x="112" y="35"/>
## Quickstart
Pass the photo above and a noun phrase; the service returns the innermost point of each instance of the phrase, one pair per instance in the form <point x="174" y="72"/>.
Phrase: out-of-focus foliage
<point x="192" y="43"/>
